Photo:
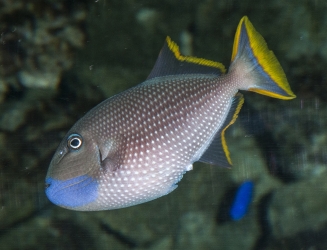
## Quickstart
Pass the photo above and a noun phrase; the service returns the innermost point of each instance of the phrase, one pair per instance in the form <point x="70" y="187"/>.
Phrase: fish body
<point x="242" y="200"/>
<point x="135" y="147"/>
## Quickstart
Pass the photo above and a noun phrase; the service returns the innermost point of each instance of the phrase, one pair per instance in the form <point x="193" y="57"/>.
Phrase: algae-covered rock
<point x="37" y="40"/>
<point x="298" y="207"/>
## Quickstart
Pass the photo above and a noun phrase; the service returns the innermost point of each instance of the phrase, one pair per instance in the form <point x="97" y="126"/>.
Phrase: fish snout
<point x="72" y="193"/>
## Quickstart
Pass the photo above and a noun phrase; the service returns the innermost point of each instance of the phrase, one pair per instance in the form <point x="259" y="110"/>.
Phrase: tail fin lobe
<point x="257" y="65"/>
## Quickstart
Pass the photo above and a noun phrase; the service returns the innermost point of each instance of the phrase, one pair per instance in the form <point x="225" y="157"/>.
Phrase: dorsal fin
<point x="171" y="62"/>
<point x="217" y="153"/>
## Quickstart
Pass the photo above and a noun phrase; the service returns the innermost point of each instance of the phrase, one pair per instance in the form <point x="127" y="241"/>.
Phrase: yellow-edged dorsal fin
<point x="171" y="62"/>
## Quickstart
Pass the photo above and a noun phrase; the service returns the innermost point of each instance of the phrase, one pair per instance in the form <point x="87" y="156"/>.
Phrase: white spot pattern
<point x="154" y="131"/>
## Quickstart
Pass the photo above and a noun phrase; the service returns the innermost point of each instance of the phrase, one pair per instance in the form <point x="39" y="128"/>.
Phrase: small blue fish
<point x="135" y="147"/>
<point x="242" y="201"/>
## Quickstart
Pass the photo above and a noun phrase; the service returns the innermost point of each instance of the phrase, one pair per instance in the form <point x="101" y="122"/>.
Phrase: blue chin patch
<point x="72" y="193"/>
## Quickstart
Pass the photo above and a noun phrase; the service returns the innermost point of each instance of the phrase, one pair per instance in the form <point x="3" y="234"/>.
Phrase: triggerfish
<point x="135" y="146"/>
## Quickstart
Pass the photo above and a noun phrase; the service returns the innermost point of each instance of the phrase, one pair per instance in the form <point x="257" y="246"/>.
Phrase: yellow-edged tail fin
<point x="256" y="65"/>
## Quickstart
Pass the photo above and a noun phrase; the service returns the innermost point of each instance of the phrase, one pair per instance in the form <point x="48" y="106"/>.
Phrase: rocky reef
<point x="38" y="39"/>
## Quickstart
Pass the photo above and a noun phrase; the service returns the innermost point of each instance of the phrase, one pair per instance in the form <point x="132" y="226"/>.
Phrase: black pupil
<point x="75" y="142"/>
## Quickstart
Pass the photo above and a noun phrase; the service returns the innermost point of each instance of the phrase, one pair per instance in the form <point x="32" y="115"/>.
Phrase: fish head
<point x="71" y="181"/>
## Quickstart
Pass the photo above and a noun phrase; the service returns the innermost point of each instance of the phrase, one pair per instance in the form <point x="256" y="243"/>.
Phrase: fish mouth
<point x="72" y="193"/>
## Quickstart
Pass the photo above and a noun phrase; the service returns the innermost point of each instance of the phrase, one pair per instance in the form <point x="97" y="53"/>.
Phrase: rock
<point x="37" y="40"/>
<point x="14" y="116"/>
<point x="298" y="207"/>
<point x="40" y="79"/>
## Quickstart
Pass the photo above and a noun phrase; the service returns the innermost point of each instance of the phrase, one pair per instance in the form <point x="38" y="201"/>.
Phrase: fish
<point x="242" y="200"/>
<point x="136" y="146"/>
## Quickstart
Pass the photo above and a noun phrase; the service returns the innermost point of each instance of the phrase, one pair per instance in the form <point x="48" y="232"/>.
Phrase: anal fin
<point x="217" y="153"/>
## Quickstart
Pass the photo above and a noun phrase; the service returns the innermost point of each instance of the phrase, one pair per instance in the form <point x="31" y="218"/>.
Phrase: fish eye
<point x="74" y="141"/>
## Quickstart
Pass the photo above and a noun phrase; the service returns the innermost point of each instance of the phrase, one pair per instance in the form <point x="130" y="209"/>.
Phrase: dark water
<point x="58" y="59"/>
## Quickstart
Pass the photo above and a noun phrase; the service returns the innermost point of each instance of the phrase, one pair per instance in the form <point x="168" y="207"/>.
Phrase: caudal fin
<point x="256" y="66"/>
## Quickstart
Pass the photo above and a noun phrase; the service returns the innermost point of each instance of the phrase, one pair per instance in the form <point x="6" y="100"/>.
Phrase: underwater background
<point x="58" y="59"/>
